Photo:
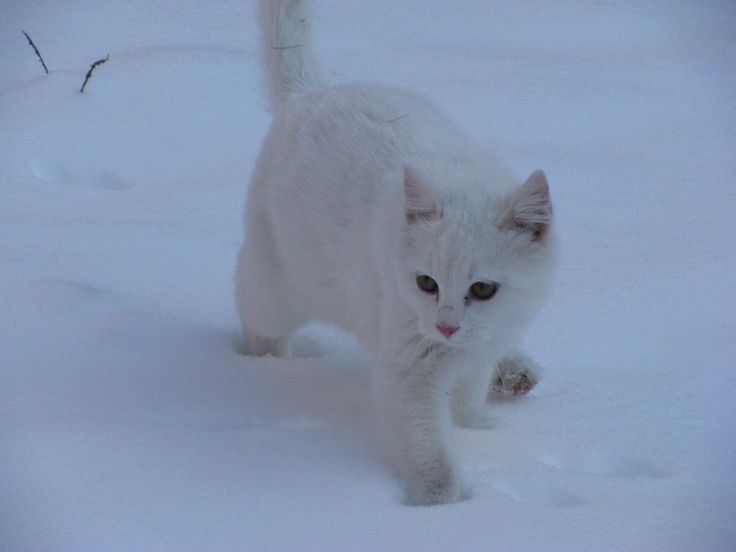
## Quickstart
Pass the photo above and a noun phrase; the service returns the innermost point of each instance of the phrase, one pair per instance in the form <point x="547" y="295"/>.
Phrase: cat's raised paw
<point x="515" y="375"/>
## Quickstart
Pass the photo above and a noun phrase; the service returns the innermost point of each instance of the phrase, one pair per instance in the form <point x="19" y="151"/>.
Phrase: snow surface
<point x="128" y="419"/>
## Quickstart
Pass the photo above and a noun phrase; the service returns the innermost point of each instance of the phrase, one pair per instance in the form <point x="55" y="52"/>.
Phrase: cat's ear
<point x="420" y="200"/>
<point x="530" y="208"/>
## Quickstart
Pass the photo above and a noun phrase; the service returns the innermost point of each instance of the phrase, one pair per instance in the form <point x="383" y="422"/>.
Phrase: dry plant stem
<point x="91" y="69"/>
<point x="38" y="54"/>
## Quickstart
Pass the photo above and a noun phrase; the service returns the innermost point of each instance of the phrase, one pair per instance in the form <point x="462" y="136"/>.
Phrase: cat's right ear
<point x="530" y="210"/>
<point x="420" y="201"/>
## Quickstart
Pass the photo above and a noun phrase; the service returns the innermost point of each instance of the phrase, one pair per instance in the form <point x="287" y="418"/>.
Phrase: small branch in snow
<point x="92" y="68"/>
<point x="397" y="118"/>
<point x="38" y="54"/>
<point x="287" y="47"/>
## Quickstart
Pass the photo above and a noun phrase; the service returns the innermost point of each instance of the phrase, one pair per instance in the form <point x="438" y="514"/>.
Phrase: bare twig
<point x="397" y="118"/>
<point x="287" y="47"/>
<point x="92" y="68"/>
<point x="38" y="54"/>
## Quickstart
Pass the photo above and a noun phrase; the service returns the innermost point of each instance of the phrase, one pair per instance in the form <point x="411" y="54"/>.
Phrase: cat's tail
<point x="287" y="49"/>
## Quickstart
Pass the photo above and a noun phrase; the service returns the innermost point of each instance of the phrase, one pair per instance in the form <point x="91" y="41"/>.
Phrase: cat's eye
<point x="427" y="284"/>
<point x="482" y="291"/>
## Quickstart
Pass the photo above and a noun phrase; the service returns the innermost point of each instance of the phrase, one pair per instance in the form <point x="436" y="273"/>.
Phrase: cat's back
<point x="331" y="149"/>
<point x="400" y="121"/>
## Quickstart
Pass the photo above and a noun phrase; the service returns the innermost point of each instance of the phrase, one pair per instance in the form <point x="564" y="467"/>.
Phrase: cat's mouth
<point x="444" y="335"/>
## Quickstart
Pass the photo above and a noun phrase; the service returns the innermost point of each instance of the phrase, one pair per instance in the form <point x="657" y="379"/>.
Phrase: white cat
<point x="371" y="210"/>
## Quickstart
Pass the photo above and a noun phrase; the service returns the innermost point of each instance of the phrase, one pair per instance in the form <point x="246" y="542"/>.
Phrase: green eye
<point x="426" y="284"/>
<point x="483" y="291"/>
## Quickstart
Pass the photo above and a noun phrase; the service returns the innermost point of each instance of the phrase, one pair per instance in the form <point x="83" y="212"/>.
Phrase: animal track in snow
<point x="66" y="295"/>
<point x="63" y="294"/>
<point x="536" y="487"/>
<point x="79" y="177"/>
<point x="66" y="287"/>
<point x="564" y="479"/>
<point x="301" y="423"/>
<point x="602" y="463"/>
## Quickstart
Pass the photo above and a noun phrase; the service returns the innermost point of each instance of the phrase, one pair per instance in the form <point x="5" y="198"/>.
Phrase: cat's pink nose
<point x="447" y="331"/>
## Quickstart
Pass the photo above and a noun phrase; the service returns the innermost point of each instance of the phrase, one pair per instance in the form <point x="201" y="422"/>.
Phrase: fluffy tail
<point x="287" y="49"/>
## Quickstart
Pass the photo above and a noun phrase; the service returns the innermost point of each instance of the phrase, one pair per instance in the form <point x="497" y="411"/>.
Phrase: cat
<point x="369" y="209"/>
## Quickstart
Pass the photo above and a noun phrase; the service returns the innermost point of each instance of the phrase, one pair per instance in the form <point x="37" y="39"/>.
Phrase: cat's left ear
<point x="530" y="210"/>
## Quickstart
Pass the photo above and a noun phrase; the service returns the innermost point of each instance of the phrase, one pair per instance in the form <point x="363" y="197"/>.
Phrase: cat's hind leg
<point x="267" y="316"/>
<point x="259" y="345"/>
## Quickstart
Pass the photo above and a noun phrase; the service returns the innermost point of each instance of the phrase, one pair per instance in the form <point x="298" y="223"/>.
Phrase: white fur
<point x="288" y="61"/>
<point x="357" y="190"/>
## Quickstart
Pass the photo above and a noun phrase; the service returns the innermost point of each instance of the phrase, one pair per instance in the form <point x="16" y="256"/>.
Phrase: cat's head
<point x="474" y="263"/>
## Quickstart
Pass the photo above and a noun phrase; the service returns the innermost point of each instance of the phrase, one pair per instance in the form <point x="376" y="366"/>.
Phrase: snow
<point x="130" y="422"/>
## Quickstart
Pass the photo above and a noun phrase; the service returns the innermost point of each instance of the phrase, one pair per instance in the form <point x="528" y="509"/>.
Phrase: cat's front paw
<point x="515" y="374"/>
<point x="433" y="489"/>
